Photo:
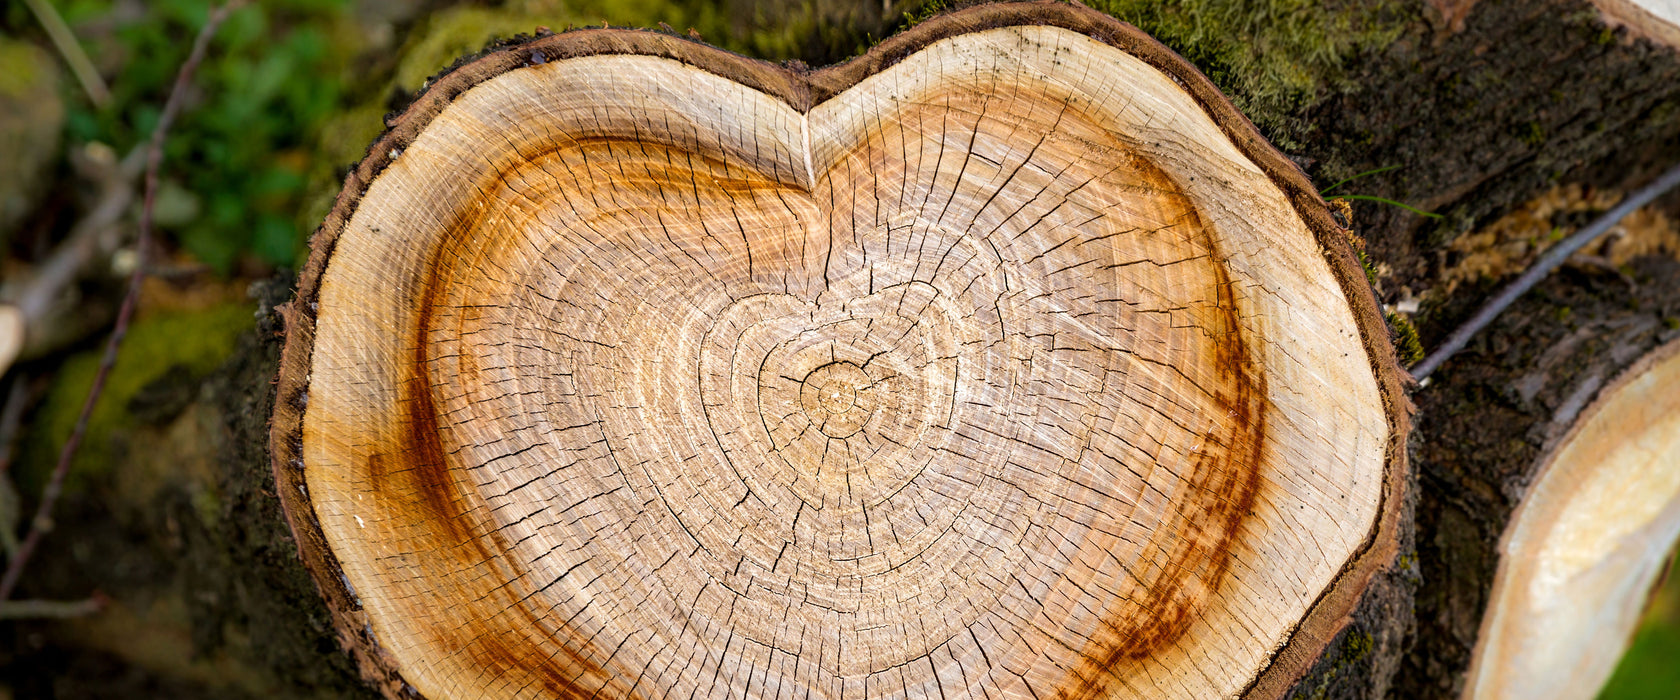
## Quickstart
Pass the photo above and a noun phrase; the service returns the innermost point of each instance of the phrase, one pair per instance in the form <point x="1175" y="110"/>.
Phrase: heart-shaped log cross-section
<point x="1004" y="361"/>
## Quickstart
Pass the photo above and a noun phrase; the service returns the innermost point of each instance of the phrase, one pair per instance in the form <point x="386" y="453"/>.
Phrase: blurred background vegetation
<point x="1651" y="668"/>
<point x="293" y="90"/>
<point x="292" y="93"/>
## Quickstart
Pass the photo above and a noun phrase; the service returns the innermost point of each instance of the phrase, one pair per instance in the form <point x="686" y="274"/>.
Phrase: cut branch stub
<point x="1006" y="358"/>
<point x="1587" y="543"/>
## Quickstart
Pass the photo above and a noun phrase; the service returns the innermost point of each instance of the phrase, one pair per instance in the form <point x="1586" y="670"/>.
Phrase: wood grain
<point x="998" y="368"/>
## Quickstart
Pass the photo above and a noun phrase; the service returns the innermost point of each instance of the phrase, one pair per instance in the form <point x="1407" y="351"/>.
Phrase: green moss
<point x="1355" y="646"/>
<point x="1365" y="264"/>
<point x="816" y="32"/>
<point x="1406" y="341"/>
<point x="462" y="31"/>
<point x="457" y="32"/>
<point x="1269" y="56"/>
<point x="193" y="343"/>
<point x="925" y="12"/>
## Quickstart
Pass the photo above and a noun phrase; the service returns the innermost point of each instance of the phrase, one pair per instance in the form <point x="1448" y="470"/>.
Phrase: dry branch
<point x="1554" y="257"/>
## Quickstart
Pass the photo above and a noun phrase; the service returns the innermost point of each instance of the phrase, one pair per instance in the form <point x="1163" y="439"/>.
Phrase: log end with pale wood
<point x="1004" y="360"/>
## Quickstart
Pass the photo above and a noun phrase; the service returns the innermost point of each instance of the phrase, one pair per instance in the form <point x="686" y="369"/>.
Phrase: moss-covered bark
<point x="1473" y="116"/>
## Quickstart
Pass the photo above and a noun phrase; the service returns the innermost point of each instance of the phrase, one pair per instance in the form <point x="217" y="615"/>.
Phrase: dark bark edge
<point x="802" y="90"/>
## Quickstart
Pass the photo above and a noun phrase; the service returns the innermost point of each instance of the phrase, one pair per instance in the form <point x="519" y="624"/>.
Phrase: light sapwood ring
<point x="1004" y="359"/>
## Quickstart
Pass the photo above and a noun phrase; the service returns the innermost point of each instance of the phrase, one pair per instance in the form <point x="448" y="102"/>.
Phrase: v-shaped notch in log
<point x="1006" y="360"/>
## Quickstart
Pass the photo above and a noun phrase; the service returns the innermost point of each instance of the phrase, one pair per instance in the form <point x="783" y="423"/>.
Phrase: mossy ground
<point x="168" y="345"/>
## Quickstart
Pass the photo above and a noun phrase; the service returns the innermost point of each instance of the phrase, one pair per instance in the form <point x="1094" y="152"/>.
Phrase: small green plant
<point x="239" y="155"/>
<point x="1369" y="198"/>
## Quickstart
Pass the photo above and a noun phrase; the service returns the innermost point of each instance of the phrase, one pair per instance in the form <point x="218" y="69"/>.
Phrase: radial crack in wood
<point x="1587" y="544"/>
<point x="1004" y="361"/>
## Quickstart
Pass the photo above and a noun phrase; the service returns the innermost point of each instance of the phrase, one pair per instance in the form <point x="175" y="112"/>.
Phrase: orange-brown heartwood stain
<point x="1224" y="480"/>
<point x="438" y="492"/>
<point x="1225" y="483"/>
<point x="1197" y="539"/>
<point x="440" y="500"/>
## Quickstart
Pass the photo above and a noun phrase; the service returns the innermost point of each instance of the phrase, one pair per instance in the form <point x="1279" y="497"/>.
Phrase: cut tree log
<point x="1005" y="358"/>
<point x="1587" y="544"/>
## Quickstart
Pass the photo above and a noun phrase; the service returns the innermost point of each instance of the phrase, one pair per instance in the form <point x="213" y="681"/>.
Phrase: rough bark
<point x="1482" y="105"/>
<point x="1485" y="424"/>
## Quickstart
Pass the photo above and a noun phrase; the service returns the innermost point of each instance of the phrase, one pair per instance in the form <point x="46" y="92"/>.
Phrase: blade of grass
<point x="1367" y="173"/>
<point x="65" y="40"/>
<point x="1402" y="205"/>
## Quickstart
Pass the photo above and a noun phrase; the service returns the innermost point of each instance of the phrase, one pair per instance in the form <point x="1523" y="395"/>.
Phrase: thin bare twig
<point x="154" y="157"/>
<point x="51" y="609"/>
<point x="11" y="416"/>
<point x="72" y="51"/>
<point x="1554" y="257"/>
